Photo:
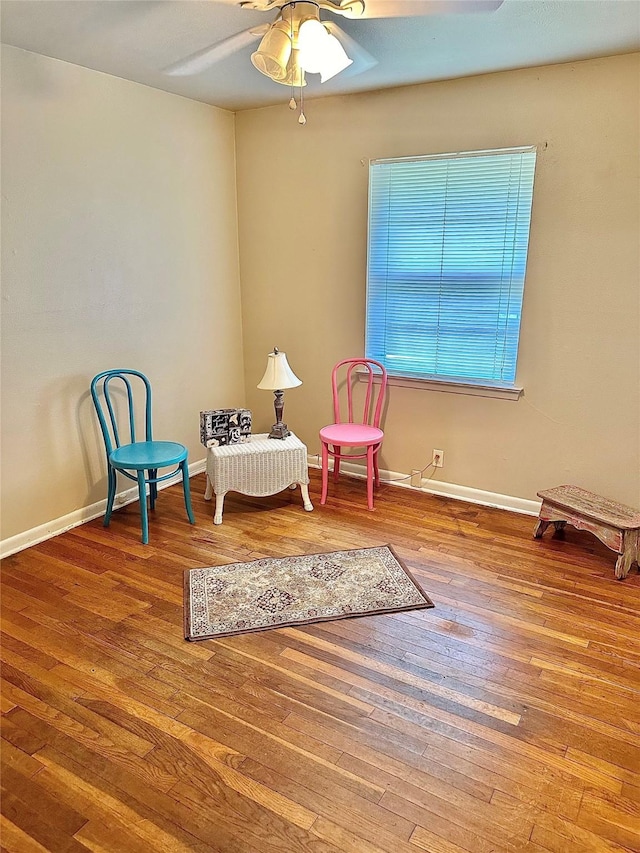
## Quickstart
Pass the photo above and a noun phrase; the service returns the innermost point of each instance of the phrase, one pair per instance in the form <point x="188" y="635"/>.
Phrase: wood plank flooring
<point x="505" y="719"/>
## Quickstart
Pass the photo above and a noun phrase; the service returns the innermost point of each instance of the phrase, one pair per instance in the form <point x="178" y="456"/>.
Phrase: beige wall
<point x="119" y="249"/>
<point x="302" y="198"/>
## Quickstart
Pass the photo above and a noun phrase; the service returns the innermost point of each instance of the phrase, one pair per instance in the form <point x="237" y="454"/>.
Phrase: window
<point x="448" y="237"/>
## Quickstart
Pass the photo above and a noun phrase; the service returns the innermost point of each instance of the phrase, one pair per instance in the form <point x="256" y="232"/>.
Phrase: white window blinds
<point x="448" y="237"/>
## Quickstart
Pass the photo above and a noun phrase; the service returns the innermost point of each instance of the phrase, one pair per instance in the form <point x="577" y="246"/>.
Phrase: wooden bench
<point x="617" y="525"/>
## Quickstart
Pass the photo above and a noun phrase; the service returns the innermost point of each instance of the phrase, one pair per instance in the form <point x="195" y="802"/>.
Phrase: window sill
<point x="473" y="389"/>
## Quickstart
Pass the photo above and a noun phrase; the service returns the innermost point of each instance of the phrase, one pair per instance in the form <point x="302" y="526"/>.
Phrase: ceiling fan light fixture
<point x="297" y="44"/>
<point x="273" y="53"/>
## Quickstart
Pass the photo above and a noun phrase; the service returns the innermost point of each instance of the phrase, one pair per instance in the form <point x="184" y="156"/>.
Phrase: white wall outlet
<point x="416" y="479"/>
<point x="438" y="459"/>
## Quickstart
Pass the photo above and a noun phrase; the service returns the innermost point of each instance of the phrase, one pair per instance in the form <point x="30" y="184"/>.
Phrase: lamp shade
<point x="278" y="374"/>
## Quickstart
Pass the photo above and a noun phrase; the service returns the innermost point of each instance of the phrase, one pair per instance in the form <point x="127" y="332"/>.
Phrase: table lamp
<point x="277" y="377"/>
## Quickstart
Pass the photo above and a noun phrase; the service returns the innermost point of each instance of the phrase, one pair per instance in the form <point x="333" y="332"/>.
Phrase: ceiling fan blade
<point x="208" y="56"/>
<point x="362" y="59"/>
<point x="414" y="8"/>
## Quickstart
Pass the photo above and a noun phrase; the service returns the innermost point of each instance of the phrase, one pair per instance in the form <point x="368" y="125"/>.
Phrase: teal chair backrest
<point x="101" y="393"/>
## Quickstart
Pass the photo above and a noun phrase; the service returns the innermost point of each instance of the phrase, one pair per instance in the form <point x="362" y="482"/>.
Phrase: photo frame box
<point x="219" y="427"/>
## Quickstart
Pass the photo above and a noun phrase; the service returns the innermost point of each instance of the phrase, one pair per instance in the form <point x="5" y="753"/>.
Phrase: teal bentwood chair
<point x="135" y="457"/>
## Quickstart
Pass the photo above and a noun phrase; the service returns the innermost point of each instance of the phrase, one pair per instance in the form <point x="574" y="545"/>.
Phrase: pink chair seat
<point x="355" y="435"/>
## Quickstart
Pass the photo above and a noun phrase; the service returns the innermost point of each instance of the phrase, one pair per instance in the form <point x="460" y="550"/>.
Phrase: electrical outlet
<point x="438" y="459"/>
<point x="416" y="479"/>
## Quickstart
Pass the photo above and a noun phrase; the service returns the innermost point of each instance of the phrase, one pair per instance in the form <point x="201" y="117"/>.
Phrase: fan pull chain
<point x="302" y="119"/>
<point x="292" y="102"/>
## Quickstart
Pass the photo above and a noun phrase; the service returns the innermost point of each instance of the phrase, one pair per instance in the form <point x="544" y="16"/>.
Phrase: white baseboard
<point x="447" y="490"/>
<point x="79" y="516"/>
<point x="394" y="478"/>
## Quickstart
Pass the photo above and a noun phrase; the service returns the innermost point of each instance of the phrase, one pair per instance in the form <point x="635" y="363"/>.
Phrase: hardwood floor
<point x="505" y="719"/>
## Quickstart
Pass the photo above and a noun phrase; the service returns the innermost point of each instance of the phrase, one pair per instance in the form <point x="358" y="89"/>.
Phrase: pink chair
<point x="363" y="433"/>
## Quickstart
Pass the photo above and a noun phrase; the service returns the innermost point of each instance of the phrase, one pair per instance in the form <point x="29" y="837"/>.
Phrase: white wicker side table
<point x="258" y="467"/>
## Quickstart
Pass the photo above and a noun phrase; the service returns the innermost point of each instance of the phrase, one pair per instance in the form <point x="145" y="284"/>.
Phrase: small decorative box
<point x="224" y="426"/>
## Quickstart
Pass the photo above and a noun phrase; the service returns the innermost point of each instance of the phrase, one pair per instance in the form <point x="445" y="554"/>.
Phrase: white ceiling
<point x="136" y="39"/>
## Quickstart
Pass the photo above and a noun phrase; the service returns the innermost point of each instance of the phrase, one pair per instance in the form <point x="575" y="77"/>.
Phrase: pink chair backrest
<point x="374" y="392"/>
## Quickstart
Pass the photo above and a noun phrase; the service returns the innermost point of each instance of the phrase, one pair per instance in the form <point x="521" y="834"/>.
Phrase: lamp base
<point x="279" y="430"/>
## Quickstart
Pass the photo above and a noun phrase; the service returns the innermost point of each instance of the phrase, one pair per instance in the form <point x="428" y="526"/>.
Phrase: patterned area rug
<point x="278" y="592"/>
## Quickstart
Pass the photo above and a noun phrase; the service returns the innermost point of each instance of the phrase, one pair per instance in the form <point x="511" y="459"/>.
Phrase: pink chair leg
<point x="375" y="467"/>
<point x="325" y="474"/>
<point x="370" y="476"/>
<point x="336" y="462"/>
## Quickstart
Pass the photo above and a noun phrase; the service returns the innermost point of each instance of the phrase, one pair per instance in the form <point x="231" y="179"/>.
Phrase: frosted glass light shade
<point x="295" y="74"/>
<point x="273" y="52"/>
<point x="320" y="52"/>
<point x="278" y="374"/>
<point x="312" y="38"/>
<point x="334" y="59"/>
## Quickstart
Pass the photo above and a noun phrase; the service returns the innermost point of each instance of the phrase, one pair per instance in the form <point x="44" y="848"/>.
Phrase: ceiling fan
<point x="297" y="42"/>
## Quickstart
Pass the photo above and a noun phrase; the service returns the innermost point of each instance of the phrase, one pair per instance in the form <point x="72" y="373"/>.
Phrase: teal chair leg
<point x="187" y="491"/>
<point x="142" y="493"/>
<point x="111" y="479"/>
<point x="153" y="487"/>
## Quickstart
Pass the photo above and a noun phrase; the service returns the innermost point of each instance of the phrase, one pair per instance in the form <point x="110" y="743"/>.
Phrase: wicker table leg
<point x="306" y="501"/>
<point x="217" y="516"/>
